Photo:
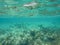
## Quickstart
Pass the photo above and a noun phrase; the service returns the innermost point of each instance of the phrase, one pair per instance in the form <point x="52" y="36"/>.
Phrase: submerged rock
<point x="32" y="33"/>
<point x="30" y="36"/>
<point x="48" y="39"/>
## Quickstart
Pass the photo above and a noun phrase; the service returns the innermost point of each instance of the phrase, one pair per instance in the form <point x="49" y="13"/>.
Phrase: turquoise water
<point x="22" y="19"/>
<point x="16" y="8"/>
<point x="32" y="25"/>
<point x="43" y="30"/>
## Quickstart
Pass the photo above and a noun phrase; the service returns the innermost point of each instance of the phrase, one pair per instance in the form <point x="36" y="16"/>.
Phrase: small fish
<point x="30" y="4"/>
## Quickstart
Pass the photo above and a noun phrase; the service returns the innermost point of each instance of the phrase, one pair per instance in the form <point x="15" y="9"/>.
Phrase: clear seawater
<point x="28" y="26"/>
<point x="30" y="31"/>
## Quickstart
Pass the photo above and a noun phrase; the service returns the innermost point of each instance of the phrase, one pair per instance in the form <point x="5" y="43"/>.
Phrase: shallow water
<point x="16" y="8"/>
<point x="30" y="31"/>
<point x="38" y="25"/>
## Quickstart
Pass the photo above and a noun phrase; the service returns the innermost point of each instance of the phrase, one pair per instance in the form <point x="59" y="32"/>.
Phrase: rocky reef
<point x="20" y="34"/>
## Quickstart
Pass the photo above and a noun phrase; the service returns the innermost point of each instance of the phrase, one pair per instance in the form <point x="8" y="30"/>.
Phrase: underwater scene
<point x="29" y="8"/>
<point x="30" y="31"/>
<point x="29" y="22"/>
